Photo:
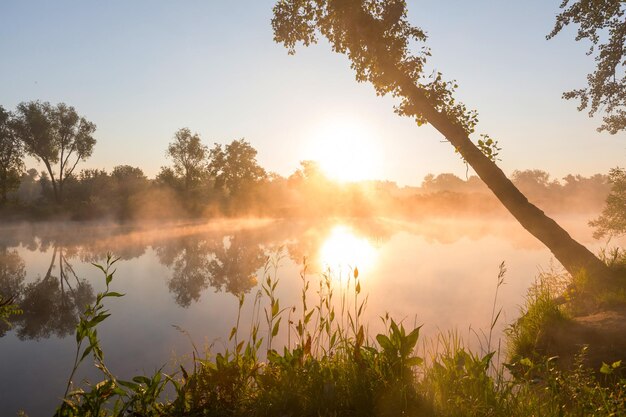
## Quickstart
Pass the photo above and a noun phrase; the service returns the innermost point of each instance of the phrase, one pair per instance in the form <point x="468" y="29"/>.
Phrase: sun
<point x="346" y="150"/>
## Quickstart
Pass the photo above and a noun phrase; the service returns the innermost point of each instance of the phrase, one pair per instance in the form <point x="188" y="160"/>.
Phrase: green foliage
<point x="56" y="135"/>
<point x="189" y="156"/>
<point x="8" y="308"/>
<point x="612" y="221"/>
<point x="11" y="154"/>
<point x="378" y="39"/>
<point x="111" y="396"/>
<point x="335" y="369"/>
<point x="540" y="314"/>
<point x="602" y="23"/>
<point x="234" y="167"/>
<point x="458" y="382"/>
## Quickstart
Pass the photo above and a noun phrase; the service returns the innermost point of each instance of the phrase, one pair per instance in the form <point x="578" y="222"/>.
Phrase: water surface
<point x="439" y="272"/>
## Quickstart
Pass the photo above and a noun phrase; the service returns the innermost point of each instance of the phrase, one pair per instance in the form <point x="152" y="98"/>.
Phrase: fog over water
<point x="440" y="272"/>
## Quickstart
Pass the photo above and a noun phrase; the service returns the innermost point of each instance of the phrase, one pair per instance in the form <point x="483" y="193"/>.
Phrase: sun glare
<point x="346" y="151"/>
<point x="343" y="250"/>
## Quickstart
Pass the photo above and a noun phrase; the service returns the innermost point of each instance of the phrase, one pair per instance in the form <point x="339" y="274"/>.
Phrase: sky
<point x="140" y="70"/>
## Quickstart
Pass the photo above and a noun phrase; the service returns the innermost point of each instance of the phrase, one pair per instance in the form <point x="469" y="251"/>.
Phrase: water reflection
<point x="50" y="305"/>
<point x="225" y="256"/>
<point x="343" y="249"/>
<point x="235" y="264"/>
<point x="12" y="274"/>
<point x="226" y="263"/>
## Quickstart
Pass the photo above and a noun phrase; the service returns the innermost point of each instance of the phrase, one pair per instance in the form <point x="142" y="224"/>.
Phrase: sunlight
<point x="346" y="150"/>
<point x="343" y="250"/>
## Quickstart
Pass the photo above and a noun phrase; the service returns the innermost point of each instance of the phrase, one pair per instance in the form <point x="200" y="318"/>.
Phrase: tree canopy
<point x="601" y="22"/>
<point x="11" y="153"/>
<point x="234" y="167"/>
<point x="56" y="135"/>
<point x="189" y="156"/>
<point x="612" y="221"/>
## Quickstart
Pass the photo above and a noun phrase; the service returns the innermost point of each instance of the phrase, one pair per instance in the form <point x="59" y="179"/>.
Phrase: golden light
<point x="346" y="150"/>
<point x="342" y="251"/>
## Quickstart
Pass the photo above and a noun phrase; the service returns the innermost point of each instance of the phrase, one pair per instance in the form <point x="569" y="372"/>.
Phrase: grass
<point x="330" y="366"/>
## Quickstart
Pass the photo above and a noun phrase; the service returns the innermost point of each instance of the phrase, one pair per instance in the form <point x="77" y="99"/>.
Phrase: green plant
<point x="540" y="312"/>
<point x="111" y="396"/>
<point x="8" y="308"/>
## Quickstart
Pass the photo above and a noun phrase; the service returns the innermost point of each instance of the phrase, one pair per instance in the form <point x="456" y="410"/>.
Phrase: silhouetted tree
<point x="189" y="157"/>
<point x="612" y="221"/>
<point x="234" y="167"/>
<point x="603" y="23"/>
<point x="56" y="135"/>
<point x="377" y="38"/>
<point x="11" y="153"/>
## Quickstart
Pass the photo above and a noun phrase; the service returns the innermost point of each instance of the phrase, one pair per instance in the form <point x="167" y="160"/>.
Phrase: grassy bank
<point x="332" y="367"/>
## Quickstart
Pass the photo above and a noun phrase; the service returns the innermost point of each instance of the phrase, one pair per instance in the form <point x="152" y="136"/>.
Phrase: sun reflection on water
<point x="343" y="250"/>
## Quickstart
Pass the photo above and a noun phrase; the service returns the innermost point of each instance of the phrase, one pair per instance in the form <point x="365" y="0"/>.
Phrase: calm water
<point x="439" y="272"/>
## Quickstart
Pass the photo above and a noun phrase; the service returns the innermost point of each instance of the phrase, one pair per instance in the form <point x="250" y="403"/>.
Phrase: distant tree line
<point x="226" y="180"/>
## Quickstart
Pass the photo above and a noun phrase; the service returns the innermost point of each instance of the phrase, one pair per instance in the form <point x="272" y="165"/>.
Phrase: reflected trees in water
<point x="50" y="305"/>
<point x="226" y="263"/>
<point x="12" y="274"/>
<point x="235" y="263"/>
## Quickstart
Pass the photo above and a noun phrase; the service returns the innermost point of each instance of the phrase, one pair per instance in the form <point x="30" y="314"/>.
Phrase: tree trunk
<point x="57" y="198"/>
<point x="572" y="255"/>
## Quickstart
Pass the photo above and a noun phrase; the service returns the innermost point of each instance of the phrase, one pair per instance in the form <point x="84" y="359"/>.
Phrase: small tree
<point x="11" y="153"/>
<point x="612" y="221"/>
<point x="57" y="136"/>
<point x="189" y="157"/>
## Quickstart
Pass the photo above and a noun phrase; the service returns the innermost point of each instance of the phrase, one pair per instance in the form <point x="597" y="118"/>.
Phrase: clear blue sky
<point x="143" y="69"/>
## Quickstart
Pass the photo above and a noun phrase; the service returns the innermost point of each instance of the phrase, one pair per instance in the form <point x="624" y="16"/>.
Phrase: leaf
<point x="128" y="384"/>
<point x="275" y="307"/>
<point x="411" y="339"/>
<point x="414" y="361"/>
<point x="308" y="316"/>
<point x="113" y="294"/>
<point x="526" y="362"/>
<point x="356" y="274"/>
<point x="99" y="318"/>
<point x="360" y="337"/>
<point x="100" y="267"/>
<point x="276" y="327"/>
<point x="141" y="380"/>
<point x="606" y="369"/>
<point x="86" y="352"/>
<point x="384" y="342"/>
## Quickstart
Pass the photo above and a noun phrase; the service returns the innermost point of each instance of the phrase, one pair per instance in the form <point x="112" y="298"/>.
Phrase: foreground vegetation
<point x="330" y="366"/>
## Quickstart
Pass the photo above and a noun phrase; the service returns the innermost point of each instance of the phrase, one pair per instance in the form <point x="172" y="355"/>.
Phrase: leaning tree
<point x="57" y="136"/>
<point x="378" y="39"/>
